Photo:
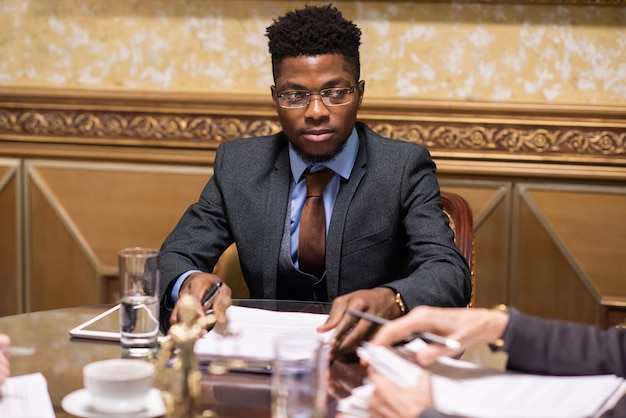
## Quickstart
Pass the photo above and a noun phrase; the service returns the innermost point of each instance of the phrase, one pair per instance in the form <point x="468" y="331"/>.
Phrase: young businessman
<point x="534" y="345"/>
<point x="388" y="245"/>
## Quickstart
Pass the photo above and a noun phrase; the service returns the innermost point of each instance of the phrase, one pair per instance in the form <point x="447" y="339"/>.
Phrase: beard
<point x="319" y="158"/>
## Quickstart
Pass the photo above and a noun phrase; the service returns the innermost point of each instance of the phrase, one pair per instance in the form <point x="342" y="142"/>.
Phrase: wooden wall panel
<point x="544" y="282"/>
<point x="10" y="241"/>
<point x="81" y="214"/>
<point x="598" y="248"/>
<point x="587" y="228"/>
<point x="59" y="272"/>
<point x="490" y="206"/>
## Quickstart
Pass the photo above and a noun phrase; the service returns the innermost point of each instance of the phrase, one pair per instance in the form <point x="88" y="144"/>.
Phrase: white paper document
<point x="250" y="333"/>
<point x="468" y="390"/>
<point x="26" y="397"/>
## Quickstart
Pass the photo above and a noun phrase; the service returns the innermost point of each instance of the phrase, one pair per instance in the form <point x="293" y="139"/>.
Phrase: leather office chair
<point x="461" y="222"/>
<point x="229" y="269"/>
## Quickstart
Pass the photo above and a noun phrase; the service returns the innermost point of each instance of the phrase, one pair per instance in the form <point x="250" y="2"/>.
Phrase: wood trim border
<point x="502" y="132"/>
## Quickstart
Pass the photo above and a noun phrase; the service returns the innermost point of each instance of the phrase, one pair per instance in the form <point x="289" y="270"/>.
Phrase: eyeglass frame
<point x="350" y="91"/>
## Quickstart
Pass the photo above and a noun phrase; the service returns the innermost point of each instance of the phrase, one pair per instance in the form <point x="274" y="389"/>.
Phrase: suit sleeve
<point x="438" y="274"/>
<point x="553" y="347"/>
<point x="200" y="237"/>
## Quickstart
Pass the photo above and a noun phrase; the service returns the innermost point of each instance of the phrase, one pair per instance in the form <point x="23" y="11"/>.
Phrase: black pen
<point x="426" y="336"/>
<point x="210" y="295"/>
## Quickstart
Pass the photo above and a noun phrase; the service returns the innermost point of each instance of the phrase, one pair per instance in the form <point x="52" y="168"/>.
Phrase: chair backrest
<point x="462" y="223"/>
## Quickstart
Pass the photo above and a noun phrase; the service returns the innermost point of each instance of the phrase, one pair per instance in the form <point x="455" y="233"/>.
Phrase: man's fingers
<point x="222" y="302"/>
<point x="174" y="315"/>
<point x="359" y="331"/>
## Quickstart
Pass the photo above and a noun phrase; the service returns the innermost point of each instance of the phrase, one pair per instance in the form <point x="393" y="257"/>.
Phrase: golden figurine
<point x="181" y="388"/>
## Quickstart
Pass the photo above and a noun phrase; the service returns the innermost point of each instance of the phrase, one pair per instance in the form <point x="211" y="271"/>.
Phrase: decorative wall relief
<point x="589" y="134"/>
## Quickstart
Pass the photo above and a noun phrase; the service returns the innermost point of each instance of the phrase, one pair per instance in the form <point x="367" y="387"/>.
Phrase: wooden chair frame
<point x="462" y="223"/>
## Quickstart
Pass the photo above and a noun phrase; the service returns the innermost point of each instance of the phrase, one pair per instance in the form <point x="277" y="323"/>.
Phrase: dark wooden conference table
<point x="61" y="359"/>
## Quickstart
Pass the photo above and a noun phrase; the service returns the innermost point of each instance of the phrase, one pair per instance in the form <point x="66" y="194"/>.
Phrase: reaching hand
<point x="466" y="325"/>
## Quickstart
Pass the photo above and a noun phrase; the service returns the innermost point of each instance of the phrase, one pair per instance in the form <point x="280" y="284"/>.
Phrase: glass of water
<point x="139" y="308"/>
<point x="299" y="381"/>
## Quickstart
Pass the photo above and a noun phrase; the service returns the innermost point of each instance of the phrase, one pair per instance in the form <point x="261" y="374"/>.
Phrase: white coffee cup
<point x="118" y="385"/>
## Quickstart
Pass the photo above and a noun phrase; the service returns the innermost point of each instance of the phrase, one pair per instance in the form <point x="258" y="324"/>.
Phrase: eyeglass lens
<point x="330" y="97"/>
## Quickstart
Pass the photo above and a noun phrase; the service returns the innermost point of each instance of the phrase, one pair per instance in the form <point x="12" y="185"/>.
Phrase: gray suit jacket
<point x="387" y="226"/>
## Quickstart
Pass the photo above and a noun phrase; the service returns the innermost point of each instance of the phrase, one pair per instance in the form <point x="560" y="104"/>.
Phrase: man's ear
<point x="274" y="98"/>
<point x="360" y="86"/>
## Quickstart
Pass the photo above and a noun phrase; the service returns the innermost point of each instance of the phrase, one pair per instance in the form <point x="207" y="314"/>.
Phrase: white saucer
<point x="77" y="403"/>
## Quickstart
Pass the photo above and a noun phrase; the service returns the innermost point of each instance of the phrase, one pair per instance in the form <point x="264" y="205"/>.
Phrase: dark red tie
<point x="312" y="237"/>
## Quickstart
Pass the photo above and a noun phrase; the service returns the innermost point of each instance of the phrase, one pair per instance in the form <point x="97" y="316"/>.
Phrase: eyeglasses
<point x="336" y="96"/>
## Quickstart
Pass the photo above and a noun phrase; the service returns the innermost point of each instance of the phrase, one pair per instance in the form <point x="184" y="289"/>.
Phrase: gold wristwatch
<point x="400" y="303"/>
<point x="498" y="344"/>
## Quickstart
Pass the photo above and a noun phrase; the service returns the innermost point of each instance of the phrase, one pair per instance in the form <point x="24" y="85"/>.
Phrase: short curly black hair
<point x="314" y="30"/>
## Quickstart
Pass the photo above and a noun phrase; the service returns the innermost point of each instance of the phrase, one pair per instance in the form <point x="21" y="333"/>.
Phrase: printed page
<point x="466" y="389"/>
<point x="26" y="397"/>
<point x="249" y="333"/>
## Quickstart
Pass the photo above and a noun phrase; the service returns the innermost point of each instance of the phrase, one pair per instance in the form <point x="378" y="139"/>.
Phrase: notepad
<point x="26" y="396"/>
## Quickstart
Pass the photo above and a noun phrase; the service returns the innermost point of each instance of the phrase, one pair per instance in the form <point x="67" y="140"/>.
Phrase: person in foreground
<point x="534" y="345"/>
<point x="5" y="370"/>
<point x="387" y="244"/>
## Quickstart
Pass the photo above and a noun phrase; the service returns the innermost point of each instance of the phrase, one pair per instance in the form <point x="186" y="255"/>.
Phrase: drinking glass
<point x="139" y="308"/>
<point x="299" y="381"/>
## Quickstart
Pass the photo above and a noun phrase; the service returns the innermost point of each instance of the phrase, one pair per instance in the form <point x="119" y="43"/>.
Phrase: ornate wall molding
<point x="111" y="126"/>
<point x="581" y="134"/>
<point x="520" y="141"/>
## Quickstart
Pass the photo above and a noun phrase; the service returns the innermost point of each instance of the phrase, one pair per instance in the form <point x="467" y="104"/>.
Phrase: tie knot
<point x="316" y="182"/>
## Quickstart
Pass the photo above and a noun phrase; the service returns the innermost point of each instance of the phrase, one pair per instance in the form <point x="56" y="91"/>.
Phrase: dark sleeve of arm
<point x="560" y="348"/>
<point x="438" y="274"/>
<point x="197" y="241"/>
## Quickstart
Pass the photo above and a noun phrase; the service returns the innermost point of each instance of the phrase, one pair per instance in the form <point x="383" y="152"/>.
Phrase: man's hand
<point x="197" y="285"/>
<point x="350" y="331"/>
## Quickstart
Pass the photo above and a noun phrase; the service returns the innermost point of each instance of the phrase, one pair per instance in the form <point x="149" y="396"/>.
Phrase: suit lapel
<point x="347" y="189"/>
<point x="277" y="202"/>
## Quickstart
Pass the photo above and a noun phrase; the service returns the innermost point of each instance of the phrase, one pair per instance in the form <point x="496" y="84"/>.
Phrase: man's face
<point x="317" y="132"/>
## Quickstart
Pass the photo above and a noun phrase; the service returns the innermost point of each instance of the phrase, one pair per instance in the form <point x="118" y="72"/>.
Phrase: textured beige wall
<point x="436" y="51"/>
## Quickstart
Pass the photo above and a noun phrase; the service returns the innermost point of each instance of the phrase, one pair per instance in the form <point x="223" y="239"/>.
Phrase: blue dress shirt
<point x="341" y="165"/>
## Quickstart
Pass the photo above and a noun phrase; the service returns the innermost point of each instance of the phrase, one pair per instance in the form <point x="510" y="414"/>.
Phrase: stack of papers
<point x="250" y="333"/>
<point x="26" y="397"/>
<point x="468" y="390"/>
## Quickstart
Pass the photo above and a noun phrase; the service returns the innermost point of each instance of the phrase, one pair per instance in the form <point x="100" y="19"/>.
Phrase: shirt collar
<point x="342" y="163"/>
